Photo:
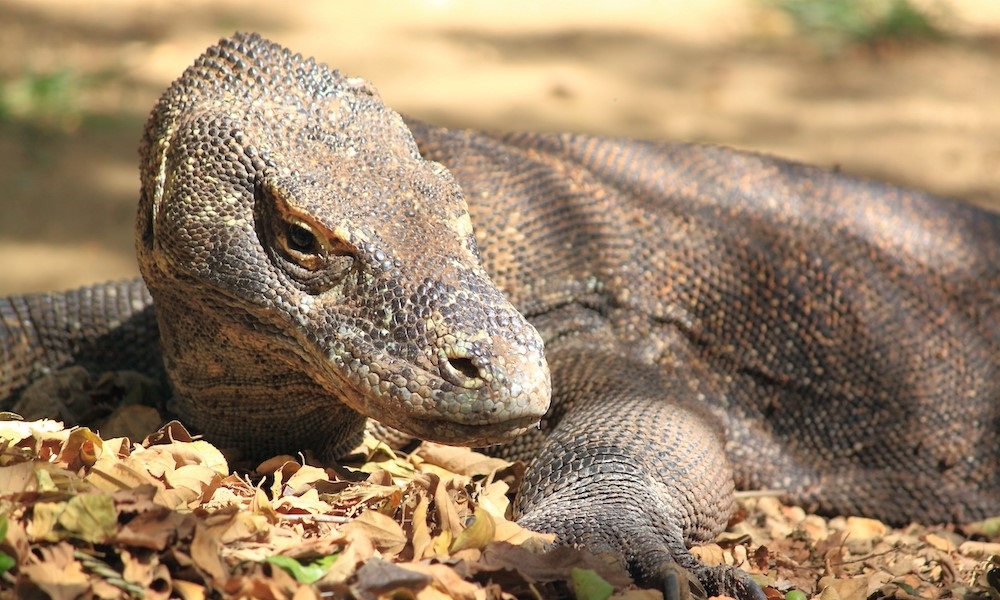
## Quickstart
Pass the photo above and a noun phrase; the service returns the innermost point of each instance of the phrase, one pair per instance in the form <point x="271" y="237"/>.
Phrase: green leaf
<point x="991" y="526"/>
<point x="796" y="595"/>
<point x="909" y="589"/>
<point x="588" y="585"/>
<point x="6" y="562"/>
<point x="306" y="573"/>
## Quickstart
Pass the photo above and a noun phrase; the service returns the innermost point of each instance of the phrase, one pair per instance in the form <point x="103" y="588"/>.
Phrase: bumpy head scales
<point x="324" y="261"/>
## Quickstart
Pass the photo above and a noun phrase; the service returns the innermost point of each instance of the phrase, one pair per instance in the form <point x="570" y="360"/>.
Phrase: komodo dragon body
<point x="710" y="318"/>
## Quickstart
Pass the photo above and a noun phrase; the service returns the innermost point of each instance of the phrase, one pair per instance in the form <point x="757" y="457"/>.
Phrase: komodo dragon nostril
<point x="461" y="371"/>
<point x="464" y="366"/>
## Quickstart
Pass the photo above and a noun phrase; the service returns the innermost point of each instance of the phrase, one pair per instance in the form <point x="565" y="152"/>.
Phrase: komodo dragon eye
<point x="301" y="239"/>
<point x="301" y="243"/>
<point x="309" y="254"/>
<point x="315" y="262"/>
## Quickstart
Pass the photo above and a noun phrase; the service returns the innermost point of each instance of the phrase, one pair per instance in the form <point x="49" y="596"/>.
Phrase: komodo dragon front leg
<point x="631" y="468"/>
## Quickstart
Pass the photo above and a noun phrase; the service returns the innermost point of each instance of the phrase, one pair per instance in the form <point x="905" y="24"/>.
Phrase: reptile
<point x="651" y="324"/>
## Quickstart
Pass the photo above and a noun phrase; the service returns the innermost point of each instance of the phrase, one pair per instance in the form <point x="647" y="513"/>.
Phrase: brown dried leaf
<point x="384" y="532"/>
<point x="512" y="533"/>
<point x="155" y="460"/>
<point x="45" y="519"/>
<point x="710" y="554"/>
<point x="224" y="492"/>
<point x="81" y="449"/>
<point x="195" y="478"/>
<point x="380" y="457"/>
<point x="57" y="573"/>
<point x="979" y="549"/>
<point x="854" y="588"/>
<point x="236" y="525"/>
<point x="173" y="431"/>
<point x="239" y="524"/>
<point x="260" y="586"/>
<point x="15" y="544"/>
<point x="302" y="478"/>
<point x="18" y="479"/>
<point x="188" y="590"/>
<point x="358" y="550"/>
<point x="145" y="570"/>
<point x="939" y="542"/>
<point x="420" y="532"/>
<point x="156" y="529"/>
<point x="493" y="498"/>
<point x="205" y="552"/>
<point x="445" y="580"/>
<point x="176" y="499"/>
<point x="112" y="473"/>
<point x="18" y="431"/>
<point x="457" y="460"/>
<point x="285" y="463"/>
<point x="440" y="544"/>
<point x="379" y="578"/>
<point x="447" y="513"/>
<point x="639" y="595"/>
<point x="860" y="528"/>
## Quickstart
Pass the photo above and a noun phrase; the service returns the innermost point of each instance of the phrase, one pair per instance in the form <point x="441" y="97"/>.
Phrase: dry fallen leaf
<point x="169" y="517"/>
<point x="384" y="532"/>
<point x="56" y="572"/>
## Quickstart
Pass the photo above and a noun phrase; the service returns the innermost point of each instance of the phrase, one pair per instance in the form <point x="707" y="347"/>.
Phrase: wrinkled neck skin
<point x="235" y="384"/>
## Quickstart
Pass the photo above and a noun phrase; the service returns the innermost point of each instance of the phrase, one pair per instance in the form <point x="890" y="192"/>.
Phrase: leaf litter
<point x="85" y="516"/>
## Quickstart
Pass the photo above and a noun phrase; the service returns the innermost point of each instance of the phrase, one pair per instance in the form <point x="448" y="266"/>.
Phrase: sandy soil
<point x="723" y="71"/>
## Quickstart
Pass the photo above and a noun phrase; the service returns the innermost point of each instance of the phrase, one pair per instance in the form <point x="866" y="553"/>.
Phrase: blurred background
<point x="902" y="90"/>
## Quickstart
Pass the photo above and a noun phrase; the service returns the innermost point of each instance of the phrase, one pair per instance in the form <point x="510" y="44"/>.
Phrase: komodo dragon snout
<point x="332" y="254"/>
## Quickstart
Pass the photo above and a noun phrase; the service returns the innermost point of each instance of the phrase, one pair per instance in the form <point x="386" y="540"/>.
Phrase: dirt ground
<point x="79" y="78"/>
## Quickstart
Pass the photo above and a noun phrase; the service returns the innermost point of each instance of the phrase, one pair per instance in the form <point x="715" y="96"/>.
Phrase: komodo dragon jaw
<point x="301" y="213"/>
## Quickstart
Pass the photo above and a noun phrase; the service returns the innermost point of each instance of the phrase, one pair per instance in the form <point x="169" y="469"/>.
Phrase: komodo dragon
<point x="709" y="317"/>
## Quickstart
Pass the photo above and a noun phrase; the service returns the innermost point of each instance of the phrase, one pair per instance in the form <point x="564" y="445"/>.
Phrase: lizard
<point x="679" y="320"/>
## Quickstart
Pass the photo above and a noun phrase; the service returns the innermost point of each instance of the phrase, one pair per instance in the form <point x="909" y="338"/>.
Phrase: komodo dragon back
<point x="309" y="267"/>
<point x="710" y="318"/>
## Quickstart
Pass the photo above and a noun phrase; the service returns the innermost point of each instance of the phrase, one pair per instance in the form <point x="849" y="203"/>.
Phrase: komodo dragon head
<point x="308" y="267"/>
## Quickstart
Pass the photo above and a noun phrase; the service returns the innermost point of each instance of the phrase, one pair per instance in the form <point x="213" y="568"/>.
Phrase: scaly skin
<point x="100" y="327"/>
<point x="710" y="318"/>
